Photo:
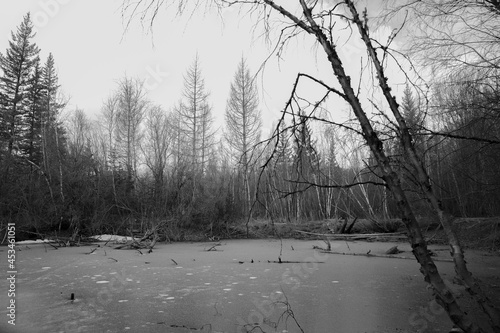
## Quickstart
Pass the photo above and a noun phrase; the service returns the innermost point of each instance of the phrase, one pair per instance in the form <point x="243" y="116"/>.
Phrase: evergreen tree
<point x="31" y="144"/>
<point x="53" y="133"/>
<point x="281" y="155"/>
<point x="50" y="83"/>
<point x="3" y="122"/>
<point x="411" y="111"/>
<point x="283" y="150"/>
<point x="305" y="154"/>
<point x="305" y="161"/>
<point x="329" y="154"/>
<point x="17" y="66"/>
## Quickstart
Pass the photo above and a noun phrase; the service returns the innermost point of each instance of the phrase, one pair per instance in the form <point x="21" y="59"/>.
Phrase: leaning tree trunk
<point x="472" y="285"/>
<point x="442" y="293"/>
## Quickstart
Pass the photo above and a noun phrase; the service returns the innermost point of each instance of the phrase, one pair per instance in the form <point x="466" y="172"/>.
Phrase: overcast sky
<point x="92" y="51"/>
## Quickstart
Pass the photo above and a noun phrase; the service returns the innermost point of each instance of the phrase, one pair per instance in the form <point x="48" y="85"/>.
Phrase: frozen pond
<point x="184" y="288"/>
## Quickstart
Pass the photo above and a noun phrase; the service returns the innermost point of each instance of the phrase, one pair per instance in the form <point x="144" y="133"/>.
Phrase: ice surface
<point x="210" y="291"/>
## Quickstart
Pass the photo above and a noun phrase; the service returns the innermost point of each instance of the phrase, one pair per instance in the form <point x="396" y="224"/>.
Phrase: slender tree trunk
<point x="61" y="183"/>
<point x="318" y="195"/>
<point x="248" y="198"/>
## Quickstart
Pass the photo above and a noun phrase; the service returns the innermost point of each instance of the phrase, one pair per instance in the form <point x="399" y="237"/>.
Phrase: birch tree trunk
<point x="442" y="293"/>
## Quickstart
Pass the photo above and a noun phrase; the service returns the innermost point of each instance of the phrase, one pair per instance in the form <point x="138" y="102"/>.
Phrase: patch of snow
<point x="37" y="241"/>
<point x="115" y="238"/>
<point x="103" y="281"/>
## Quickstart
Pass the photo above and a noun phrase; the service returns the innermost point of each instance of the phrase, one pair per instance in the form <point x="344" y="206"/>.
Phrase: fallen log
<point x="284" y="262"/>
<point x="294" y="262"/>
<point x="369" y="254"/>
<point x="213" y="247"/>
<point x="355" y="236"/>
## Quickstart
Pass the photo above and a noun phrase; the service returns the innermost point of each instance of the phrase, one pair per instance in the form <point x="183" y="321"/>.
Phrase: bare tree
<point x="195" y="118"/>
<point x="79" y="130"/>
<point x="99" y="144"/>
<point x="109" y="112"/>
<point x="450" y="35"/>
<point x="243" y="124"/>
<point x="132" y="105"/>
<point x="157" y="146"/>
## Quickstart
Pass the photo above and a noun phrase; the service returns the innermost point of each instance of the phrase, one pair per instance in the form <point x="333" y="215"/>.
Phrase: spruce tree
<point x="305" y="161"/>
<point x="17" y="65"/>
<point x="3" y="123"/>
<point x="411" y="112"/>
<point x="31" y="143"/>
<point x="413" y="116"/>
<point x="306" y="157"/>
<point x="50" y="83"/>
<point x="53" y="133"/>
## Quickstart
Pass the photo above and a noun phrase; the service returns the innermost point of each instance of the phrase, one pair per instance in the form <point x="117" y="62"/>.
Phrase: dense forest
<point x="139" y="164"/>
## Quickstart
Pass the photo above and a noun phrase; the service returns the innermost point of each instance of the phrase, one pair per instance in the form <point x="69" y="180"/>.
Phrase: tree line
<point x="142" y="163"/>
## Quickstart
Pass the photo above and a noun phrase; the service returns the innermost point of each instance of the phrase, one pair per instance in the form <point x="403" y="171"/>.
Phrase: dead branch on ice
<point x="355" y="236"/>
